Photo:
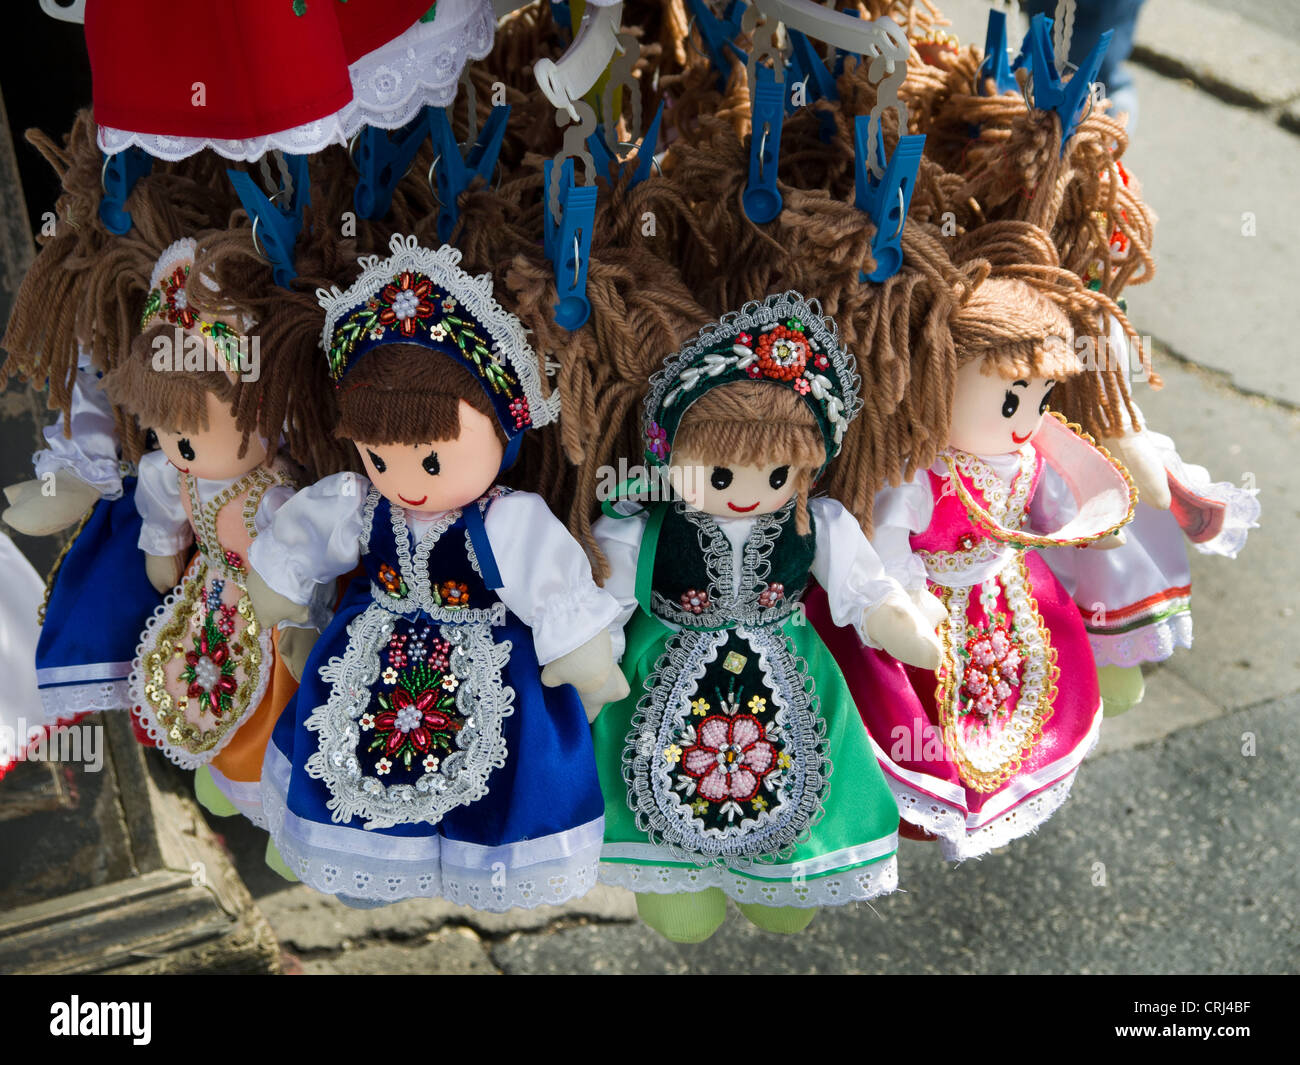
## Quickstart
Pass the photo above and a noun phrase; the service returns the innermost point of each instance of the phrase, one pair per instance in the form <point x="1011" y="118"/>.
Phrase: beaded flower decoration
<point x="421" y="296"/>
<point x="783" y="340"/>
<point x="168" y="300"/>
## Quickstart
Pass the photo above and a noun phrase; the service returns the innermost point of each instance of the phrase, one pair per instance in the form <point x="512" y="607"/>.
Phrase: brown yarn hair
<point x="755" y="423"/>
<point x="408" y="394"/>
<point x="170" y="400"/>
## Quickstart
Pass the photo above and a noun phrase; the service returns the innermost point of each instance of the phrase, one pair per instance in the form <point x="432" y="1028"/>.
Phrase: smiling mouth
<point x="183" y="469"/>
<point x="1021" y="439"/>
<point x="742" y="510"/>
<point x="412" y="502"/>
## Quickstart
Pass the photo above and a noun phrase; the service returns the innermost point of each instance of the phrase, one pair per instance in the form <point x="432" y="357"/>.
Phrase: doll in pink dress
<point x="984" y="749"/>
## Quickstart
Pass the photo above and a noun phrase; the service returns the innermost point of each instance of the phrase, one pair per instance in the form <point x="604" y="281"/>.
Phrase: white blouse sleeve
<point x="846" y="565"/>
<point x="165" y="529"/>
<point x="545" y="576"/>
<point x="1052" y="507"/>
<point x="312" y="538"/>
<point x="899" y="512"/>
<point x="91" y="451"/>
<point x="620" y="541"/>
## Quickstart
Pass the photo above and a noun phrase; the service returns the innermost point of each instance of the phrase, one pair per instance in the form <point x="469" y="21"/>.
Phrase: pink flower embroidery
<point x="730" y="758"/>
<point x="993" y="666"/>
<point x="771" y="595"/>
<point x="695" y="601"/>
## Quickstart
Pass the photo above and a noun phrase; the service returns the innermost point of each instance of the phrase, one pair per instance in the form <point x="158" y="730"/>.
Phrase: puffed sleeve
<point x="312" y="538"/>
<point x="546" y="577"/>
<point x="899" y="511"/>
<point x="846" y="565"/>
<point x="1241" y="504"/>
<point x="90" y="452"/>
<point x="620" y="540"/>
<point x="165" y="529"/>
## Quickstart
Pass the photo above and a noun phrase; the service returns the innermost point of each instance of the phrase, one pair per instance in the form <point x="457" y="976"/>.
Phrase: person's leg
<point x="689" y="917"/>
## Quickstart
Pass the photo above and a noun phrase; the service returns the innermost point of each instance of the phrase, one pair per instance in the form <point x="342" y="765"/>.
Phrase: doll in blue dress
<point x="437" y="746"/>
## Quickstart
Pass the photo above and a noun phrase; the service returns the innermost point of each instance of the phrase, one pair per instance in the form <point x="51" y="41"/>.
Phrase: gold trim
<point x="58" y="564"/>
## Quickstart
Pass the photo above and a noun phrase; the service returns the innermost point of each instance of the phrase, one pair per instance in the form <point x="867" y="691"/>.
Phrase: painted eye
<point x="150" y="440"/>
<point x="379" y="464"/>
<point x="721" y="478"/>
<point x="778" y="476"/>
<point x="430" y="464"/>
<point x="186" y="449"/>
<point x="1042" y="407"/>
<point x="1010" y="405"/>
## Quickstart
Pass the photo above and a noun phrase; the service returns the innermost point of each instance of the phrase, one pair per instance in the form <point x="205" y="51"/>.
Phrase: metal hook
<point x="762" y="149"/>
<point x="577" y="256"/>
<point x="902" y="212"/>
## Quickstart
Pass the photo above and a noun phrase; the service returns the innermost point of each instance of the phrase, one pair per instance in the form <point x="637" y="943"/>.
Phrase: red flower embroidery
<point x="209" y="678"/>
<point x="782" y="353"/>
<point x="415" y="719"/>
<point x="771" y="595"/>
<point x="234" y="561"/>
<point x="519" y="411"/>
<point x="992" y="667"/>
<point x="406" y="303"/>
<point x="696" y="602"/>
<point x="730" y="758"/>
<point x="173" y="291"/>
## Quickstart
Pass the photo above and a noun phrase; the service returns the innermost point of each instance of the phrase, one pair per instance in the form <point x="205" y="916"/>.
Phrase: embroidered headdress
<point x="421" y="296"/>
<point x="168" y="300"/>
<point x="784" y="340"/>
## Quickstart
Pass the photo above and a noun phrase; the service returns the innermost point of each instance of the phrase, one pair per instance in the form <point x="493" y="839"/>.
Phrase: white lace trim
<point x="63" y="704"/>
<point x="837" y="889"/>
<point x="1151" y="643"/>
<point x="390" y="86"/>
<point x="958" y="840"/>
<point x="244" y="795"/>
<point x="491" y="883"/>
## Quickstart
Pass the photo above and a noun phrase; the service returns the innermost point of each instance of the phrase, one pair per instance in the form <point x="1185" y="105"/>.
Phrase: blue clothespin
<point x="121" y="172"/>
<point x="383" y="157"/>
<point x="886" y="199"/>
<point x="806" y="67"/>
<point x="719" y="34"/>
<point x="567" y="243"/>
<point x="761" y="200"/>
<point x="995" y="64"/>
<point x="605" y="159"/>
<point x="1067" y="99"/>
<point x="275" y="227"/>
<point x="561" y="15"/>
<point x="454" y="172"/>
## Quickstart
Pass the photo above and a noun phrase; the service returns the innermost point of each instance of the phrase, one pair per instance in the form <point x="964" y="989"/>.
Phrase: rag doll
<point x="207" y="679"/>
<point x="437" y="746"/>
<point x="716" y="768"/>
<point x="985" y="749"/>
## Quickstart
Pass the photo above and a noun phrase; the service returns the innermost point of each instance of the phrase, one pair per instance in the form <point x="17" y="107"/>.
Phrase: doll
<point x="436" y="747"/>
<point x="984" y="749"/>
<point x="207" y="680"/>
<point x="717" y="768"/>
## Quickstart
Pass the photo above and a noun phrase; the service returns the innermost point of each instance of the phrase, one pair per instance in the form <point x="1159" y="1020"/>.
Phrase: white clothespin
<point x="70" y="11"/>
<point x="845" y="32"/>
<point x="586" y="60"/>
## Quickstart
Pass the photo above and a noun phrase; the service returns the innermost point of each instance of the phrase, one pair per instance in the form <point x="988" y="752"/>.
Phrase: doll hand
<point x="270" y="607"/>
<point x="1144" y="466"/>
<point x="930" y="605"/>
<point x="899" y="627"/>
<point x="38" y="511"/>
<point x="586" y="667"/>
<point x="164" y="571"/>
<point x="1109" y="543"/>
<point x="293" y="646"/>
<point x="615" y="689"/>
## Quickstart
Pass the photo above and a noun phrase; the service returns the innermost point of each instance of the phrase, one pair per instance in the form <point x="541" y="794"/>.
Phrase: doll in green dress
<point x="738" y="765"/>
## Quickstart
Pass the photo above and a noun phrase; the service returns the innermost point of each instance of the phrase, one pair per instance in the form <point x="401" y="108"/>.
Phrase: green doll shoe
<point x="689" y="917"/>
<point x="1122" y="688"/>
<point x="277" y="863"/>
<point x="784" y="920"/>
<point x="211" y="797"/>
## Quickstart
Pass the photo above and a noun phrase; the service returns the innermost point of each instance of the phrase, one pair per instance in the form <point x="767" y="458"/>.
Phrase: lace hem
<point x="1239" y="518"/>
<point x="957" y="842"/>
<point x="494" y="888"/>
<point x="836" y="889"/>
<point x="66" y="704"/>
<point x="244" y="795"/>
<point x="390" y="86"/>
<point x="1152" y="643"/>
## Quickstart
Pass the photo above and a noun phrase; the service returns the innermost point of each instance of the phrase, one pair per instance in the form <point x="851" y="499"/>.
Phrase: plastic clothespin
<point x="279" y="227"/>
<point x="454" y="172"/>
<point x="761" y="200"/>
<point x="604" y="159"/>
<point x="886" y="199"/>
<point x="72" y="11"/>
<point x="383" y="157"/>
<point x="840" y="53"/>
<point x="567" y="243"/>
<point x="120" y="173"/>
<point x="808" y="69"/>
<point x="719" y="34"/>
<point x="570" y="79"/>
<point x="1050" y="93"/>
<point x="995" y="63"/>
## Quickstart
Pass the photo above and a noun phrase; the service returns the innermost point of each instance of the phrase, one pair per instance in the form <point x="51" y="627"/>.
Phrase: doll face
<point x="995" y="415"/>
<point x="440" y="475"/>
<point x="732" y="490"/>
<point x="212" y="453"/>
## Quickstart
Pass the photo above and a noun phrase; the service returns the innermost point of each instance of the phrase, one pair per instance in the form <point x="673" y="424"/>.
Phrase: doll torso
<point x="206" y="659"/>
<point x="996" y="685"/>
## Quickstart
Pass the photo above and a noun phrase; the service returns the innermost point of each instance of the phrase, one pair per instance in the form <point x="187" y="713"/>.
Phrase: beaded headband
<point x="783" y="340"/>
<point x="168" y="300"/>
<point x="421" y="296"/>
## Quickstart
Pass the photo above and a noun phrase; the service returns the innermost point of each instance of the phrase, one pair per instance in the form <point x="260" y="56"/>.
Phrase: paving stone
<point x="452" y="952"/>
